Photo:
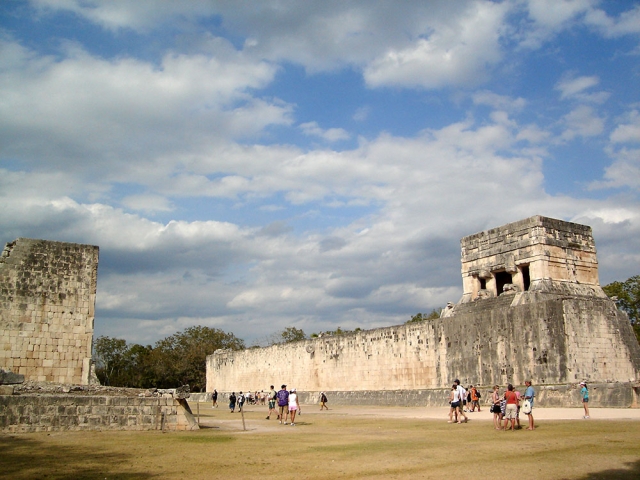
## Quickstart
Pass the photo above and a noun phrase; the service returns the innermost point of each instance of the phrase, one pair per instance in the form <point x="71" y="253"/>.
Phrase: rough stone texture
<point x="45" y="413"/>
<point x="47" y="302"/>
<point x="10" y="378"/>
<point x="558" y="333"/>
<point x="536" y="254"/>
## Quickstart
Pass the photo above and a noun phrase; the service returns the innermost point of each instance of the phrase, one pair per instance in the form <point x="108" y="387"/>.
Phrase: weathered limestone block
<point x="10" y="378"/>
<point x="41" y="306"/>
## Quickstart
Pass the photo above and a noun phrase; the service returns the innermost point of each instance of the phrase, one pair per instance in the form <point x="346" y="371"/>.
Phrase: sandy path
<point x="226" y="421"/>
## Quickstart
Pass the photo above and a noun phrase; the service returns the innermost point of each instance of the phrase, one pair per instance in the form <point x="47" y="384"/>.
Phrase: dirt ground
<point x="432" y="413"/>
<point x="345" y="442"/>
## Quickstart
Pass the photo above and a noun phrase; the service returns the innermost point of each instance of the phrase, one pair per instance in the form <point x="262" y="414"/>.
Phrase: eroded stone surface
<point x="47" y="301"/>
<point x="557" y="328"/>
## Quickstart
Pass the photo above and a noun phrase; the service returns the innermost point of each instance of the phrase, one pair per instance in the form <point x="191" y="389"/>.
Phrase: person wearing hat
<point x="283" y="403"/>
<point x="294" y="405"/>
<point x="584" y="391"/>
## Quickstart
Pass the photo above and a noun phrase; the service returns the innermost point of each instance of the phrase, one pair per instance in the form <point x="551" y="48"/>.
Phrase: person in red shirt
<point x="512" y="407"/>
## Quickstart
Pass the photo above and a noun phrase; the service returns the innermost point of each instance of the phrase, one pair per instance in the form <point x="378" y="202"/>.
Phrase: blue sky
<point x="256" y="165"/>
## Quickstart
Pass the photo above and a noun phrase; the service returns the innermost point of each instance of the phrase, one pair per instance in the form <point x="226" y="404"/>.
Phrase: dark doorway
<point x="526" y="280"/>
<point x="502" y="278"/>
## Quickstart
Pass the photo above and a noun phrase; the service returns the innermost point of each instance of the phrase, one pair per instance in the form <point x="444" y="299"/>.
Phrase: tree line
<point x="180" y="359"/>
<point x="177" y="360"/>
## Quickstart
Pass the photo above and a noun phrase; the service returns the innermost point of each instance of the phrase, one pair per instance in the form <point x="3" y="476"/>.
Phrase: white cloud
<point x="147" y="203"/>
<point x="554" y="14"/>
<point x="330" y="135"/>
<point x="117" y="14"/>
<point x="452" y="54"/>
<point x="582" y="121"/>
<point x="570" y="87"/>
<point x="628" y="23"/>
<point x="498" y="102"/>
<point x="624" y="171"/>
<point x="628" y="132"/>
<point x="128" y="112"/>
<point x="83" y="127"/>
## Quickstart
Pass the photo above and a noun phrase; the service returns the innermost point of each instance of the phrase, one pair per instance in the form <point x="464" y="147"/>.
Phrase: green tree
<point x="180" y="359"/>
<point x="109" y="355"/>
<point x="419" y="317"/>
<point x="628" y="293"/>
<point x="292" y="334"/>
<point x="628" y="299"/>
<point x="177" y="360"/>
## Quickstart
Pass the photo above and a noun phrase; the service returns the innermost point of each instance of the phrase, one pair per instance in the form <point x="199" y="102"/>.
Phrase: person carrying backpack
<point x="283" y="403"/>
<point x="475" y="398"/>
<point x="323" y="401"/>
<point x="272" y="402"/>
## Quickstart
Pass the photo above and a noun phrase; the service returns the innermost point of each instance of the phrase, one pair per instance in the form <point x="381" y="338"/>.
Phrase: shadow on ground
<point x="24" y="457"/>
<point x="631" y="472"/>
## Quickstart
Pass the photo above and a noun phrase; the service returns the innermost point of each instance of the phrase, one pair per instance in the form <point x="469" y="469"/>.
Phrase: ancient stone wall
<point x="47" y="302"/>
<point x="551" y="340"/>
<point x="532" y="309"/>
<point x="45" y="413"/>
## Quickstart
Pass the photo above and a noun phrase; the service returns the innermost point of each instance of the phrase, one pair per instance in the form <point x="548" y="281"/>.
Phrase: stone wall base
<point x="609" y="395"/>
<point x="45" y="413"/>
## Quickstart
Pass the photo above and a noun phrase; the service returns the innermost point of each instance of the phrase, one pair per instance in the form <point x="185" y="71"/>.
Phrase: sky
<point x="256" y="165"/>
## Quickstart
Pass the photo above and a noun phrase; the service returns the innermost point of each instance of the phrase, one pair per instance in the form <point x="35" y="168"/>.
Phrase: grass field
<point x="333" y="444"/>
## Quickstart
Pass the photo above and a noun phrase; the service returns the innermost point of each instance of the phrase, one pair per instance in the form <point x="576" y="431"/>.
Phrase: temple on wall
<point x="532" y="309"/>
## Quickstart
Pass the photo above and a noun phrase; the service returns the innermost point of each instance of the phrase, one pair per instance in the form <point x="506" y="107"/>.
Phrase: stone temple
<point x="532" y="309"/>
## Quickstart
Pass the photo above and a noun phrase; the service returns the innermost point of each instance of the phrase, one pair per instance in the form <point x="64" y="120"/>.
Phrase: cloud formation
<point x="252" y="166"/>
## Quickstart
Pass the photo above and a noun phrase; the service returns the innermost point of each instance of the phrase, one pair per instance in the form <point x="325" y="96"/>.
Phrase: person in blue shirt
<point x="584" y="392"/>
<point x="529" y="394"/>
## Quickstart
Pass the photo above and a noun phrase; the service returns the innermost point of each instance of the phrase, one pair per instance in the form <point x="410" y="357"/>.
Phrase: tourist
<point x="475" y="398"/>
<point x="511" y="407"/>
<point x="529" y="395"/>
<point x="294" y="406"/>
<point x="272" y="402"/>
<point x="232" y="402"/>
<point x="456" y="404"/>
<point x="323" y="401"/>
<point x="283" y="403"/>
<point x="214" y="398"/>
<point x="495" y="407"/>
<point x="463" y="394"/>
<point x="584" y="391"/>
<point x="519" y="399"/>
<point x="240" y="401"/>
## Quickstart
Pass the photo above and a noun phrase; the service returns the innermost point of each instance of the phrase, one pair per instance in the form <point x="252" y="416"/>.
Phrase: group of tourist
<point x="505" y="406"/>
<point x="287" y="402"/>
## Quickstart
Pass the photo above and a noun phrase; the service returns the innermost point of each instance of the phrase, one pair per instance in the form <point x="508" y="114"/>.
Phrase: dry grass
<point x="331" y="445"/>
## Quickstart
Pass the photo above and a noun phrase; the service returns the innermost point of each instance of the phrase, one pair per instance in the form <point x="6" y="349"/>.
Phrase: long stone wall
<point x="45" y="413"/>
<point x="47" y="302"/>
<point x="550" y="339"/>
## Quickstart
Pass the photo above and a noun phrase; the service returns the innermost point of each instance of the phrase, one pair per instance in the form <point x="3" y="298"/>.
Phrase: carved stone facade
<point x="538" y="254"/>
<point x="540" y="314"/>
<point x="47" y="303"/>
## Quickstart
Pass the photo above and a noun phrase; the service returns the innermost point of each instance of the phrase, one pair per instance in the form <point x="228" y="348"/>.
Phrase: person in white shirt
<point x="294" y="405"/>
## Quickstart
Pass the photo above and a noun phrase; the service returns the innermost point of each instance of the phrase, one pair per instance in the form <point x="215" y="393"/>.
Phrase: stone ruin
<point x="47" y="310"/>
<point x="538" y="254"/>
<point x="532" y="309"/>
